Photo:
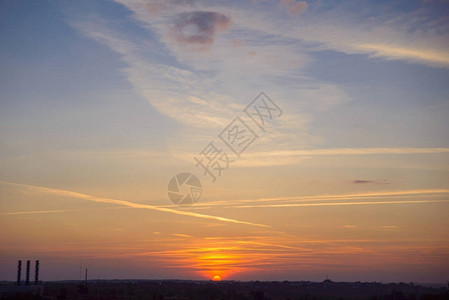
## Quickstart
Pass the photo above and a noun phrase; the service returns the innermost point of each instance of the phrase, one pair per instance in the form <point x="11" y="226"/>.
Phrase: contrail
<point x="328" y="197"/>
<point x="283" y="157"/>
<point x="354" y="151"/>
<point x="129" y="204"/>
<point x="339" y="203"/>
<point x="32" y="212"/>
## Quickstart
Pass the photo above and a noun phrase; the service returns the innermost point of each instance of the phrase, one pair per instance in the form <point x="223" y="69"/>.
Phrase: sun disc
<point x="216" y="278"/>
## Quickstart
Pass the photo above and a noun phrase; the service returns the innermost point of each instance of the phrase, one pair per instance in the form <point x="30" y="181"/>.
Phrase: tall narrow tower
<point x="36" y="273"/>
<point x="27" y="282"/>
<point x="19" y="272"/>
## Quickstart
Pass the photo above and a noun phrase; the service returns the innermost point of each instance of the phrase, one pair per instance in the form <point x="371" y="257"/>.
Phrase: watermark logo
<point x="262" y="110"/>
<point x="184" y="189"/>
<point x="214" y="160"/>
<point x="238" y="136"/>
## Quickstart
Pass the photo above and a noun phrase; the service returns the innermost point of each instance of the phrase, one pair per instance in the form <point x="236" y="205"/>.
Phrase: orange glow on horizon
<point x="216" y="278"/>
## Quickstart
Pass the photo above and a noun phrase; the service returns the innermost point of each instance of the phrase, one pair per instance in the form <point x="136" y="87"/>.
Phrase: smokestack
<point x="19" y="272"/>
<point x="27" y="282"/>
<point x="36" y="273"/>
<point x="86" y="275"/>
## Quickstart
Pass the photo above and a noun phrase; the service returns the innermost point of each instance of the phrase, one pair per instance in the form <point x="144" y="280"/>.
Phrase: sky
<point x="318" y="130"/>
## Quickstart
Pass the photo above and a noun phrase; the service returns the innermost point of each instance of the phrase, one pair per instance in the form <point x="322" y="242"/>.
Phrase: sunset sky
<point x="103" y="102"/>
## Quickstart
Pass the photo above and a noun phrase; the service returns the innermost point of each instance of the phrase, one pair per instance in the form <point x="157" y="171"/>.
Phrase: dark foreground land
<point x="229" y="290"/>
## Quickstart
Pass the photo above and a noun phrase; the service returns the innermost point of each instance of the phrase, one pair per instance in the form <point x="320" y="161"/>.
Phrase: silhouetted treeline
<point x="227" y="290"/>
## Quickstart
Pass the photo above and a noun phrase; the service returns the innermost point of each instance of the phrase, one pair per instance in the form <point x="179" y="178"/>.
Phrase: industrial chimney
<point x="19" y="272"/>
<point x="27" y="282"/>
<point x="36" y="273"/>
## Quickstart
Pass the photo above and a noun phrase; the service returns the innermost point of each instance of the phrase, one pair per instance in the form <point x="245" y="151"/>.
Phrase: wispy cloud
<point x="129" y="204"/>
<point x="364" y="181"/>
<point x="391" y="52"/>
<point x="205" y="90"/>
<point x="340" y="203"/>
<point x="174" y="91"/>
<point x="296" y="156"/>
<point x="366" y="151"/>
<point x="322" y="200"/>
<point x="288" y="157"/>
<point x="389" y="36"/>
<point x="241" y="254"/>
<point x="33" y="212"/>
<point x="182" y="235"/>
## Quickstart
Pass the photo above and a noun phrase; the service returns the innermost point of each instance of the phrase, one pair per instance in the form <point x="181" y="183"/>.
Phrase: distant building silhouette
<point x="36" y="272"/>
<point x="19" y="272"/>
<point x="27" y="274"/>
<point x="27" y="281"/>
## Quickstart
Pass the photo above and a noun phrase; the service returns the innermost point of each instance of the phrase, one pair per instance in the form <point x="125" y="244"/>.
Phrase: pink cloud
<point x="297" y="8"/>
<point x="238" y="43"/>
<point x="294" y="8"/>
<point x="198" y="27"/>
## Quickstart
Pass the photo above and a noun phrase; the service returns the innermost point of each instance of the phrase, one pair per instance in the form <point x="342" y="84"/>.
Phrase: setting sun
<point x="216" y="278"/>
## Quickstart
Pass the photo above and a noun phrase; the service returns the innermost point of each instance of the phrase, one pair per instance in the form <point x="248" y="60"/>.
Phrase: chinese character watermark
<point x="238" y="136"/>
<point x="213" y="161"/>
<point x="185" y="188"/>
<point x="262" y="110"/>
